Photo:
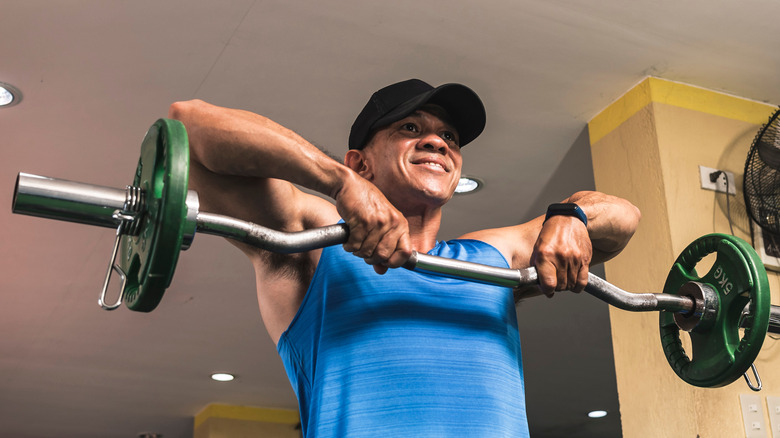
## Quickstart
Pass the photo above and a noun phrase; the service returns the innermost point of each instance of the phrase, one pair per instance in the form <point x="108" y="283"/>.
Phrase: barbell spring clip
<point x="113" y="267"/>
<point x="758" y="379"/>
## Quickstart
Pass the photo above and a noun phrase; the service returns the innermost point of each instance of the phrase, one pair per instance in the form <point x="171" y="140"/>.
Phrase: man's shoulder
<point x="472" y="250"/>
<point x="515" y="242"/>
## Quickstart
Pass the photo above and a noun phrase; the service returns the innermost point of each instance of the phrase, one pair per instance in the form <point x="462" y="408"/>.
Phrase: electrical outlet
<point x="773" y="404"/>
<point x="753" y="416"/>
<point x="720" y="184"/>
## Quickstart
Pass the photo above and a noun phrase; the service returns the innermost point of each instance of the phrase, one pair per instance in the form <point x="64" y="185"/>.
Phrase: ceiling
<point x="96" y="74"/>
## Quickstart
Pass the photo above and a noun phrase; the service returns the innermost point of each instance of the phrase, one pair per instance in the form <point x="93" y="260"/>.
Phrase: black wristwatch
<point x="568" y="209"/>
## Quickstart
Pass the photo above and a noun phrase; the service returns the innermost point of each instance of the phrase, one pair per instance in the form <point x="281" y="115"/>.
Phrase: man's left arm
<point x="563" y="246"/>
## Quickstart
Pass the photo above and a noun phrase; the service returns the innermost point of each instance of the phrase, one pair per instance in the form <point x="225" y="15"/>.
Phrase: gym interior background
<point x="626" y="97"/>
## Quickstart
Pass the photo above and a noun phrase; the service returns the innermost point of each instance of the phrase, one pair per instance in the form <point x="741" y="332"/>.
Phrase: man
<point x="404" y="353"/>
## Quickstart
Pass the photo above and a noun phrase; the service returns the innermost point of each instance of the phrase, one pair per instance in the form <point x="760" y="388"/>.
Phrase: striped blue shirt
<point x="406" y="354"/>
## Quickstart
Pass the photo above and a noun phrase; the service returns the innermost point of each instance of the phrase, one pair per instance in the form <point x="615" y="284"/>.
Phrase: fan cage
<point x="762" y="177"/>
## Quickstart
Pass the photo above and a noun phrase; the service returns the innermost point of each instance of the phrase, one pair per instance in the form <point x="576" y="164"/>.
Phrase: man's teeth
<point x="434" y="164"/>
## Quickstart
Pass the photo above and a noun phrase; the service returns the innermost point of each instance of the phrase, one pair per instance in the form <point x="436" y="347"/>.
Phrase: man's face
<point x="418" y="157"/>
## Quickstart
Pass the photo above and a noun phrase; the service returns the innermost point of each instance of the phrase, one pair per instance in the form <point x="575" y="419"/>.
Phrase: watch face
<point x="566" y="210"/>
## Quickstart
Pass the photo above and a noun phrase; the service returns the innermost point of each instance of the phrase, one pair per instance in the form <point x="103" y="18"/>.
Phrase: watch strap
<point x="566" y="209"/>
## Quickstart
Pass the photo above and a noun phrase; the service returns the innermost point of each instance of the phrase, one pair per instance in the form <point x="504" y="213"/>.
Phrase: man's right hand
<point x="378" y="232"/>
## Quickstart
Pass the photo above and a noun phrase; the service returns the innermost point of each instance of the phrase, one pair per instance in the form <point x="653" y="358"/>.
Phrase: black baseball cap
<point x="394" y="102"/>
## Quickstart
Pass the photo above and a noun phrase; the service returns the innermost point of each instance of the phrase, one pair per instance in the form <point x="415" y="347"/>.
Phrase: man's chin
<point x="438" y="196"/>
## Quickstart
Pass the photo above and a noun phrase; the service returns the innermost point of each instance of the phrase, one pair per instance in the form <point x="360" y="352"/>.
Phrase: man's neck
<point x="423" y="228"/>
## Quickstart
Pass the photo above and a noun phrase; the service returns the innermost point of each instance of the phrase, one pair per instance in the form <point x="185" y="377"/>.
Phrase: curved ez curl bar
<point x="157" y="216"/>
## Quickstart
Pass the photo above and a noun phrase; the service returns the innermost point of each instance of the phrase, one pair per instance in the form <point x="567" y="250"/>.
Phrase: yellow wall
<point x="229" y="421"/>
<point x="647" y="147"/>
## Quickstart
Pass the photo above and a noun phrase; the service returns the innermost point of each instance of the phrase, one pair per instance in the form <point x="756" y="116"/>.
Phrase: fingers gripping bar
<point x="156" y="217"/>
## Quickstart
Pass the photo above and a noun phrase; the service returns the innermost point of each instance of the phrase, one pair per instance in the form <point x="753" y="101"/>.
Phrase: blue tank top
<point x="406" y="354"/>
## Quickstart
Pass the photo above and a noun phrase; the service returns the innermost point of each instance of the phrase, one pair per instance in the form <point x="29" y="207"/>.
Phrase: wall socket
<point x="719" y="185"/>
<point x="753" y="416"/>
<point x="773" y="404"/>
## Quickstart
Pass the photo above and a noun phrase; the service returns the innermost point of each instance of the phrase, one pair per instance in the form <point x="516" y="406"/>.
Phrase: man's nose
<point x="434" y="143"/>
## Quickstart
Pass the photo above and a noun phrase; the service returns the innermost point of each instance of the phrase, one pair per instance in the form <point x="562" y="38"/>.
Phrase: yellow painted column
<point x="228" y="421"/>
<point x="647" y="147"/>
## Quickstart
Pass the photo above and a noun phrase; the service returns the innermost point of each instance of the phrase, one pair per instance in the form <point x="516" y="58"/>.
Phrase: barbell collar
<point x="705" y="298"/>
<point x="774" y="319"/>
<point x="191" y="219"/>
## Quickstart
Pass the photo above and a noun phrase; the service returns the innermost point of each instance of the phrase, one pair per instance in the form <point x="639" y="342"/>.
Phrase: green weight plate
<point x="720" y="354"/>
<point x="149" y="258"/>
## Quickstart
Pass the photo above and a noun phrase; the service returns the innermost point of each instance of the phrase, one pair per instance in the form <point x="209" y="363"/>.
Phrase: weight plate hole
<point x="705" y="265"/>
<point x="687" y="345"/>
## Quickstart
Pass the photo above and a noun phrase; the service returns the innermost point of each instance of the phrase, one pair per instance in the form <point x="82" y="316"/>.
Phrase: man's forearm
<point x="235" y="142"/>
<point x="611" y="221"/>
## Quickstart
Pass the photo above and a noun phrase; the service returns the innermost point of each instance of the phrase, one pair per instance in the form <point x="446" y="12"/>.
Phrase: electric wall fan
<point x="762" y="177"/>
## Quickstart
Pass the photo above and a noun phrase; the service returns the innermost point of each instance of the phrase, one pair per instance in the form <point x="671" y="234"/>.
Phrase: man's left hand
<point x="562" y="255"/>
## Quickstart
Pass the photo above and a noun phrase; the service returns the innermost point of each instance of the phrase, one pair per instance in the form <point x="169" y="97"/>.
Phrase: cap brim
<point x="461" y="103"/>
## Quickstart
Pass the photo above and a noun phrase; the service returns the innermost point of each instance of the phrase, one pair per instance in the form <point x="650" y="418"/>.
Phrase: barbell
<point x="157" y="216"/>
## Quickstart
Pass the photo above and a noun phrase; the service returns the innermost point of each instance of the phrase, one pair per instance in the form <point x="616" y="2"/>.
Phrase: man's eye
<point x="449" y="136"/>
<point x="410" y="127"/>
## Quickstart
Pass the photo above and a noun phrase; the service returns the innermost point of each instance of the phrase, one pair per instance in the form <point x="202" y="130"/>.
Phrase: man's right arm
<point x="244" y="165"/>
<point x="237" y="152"/>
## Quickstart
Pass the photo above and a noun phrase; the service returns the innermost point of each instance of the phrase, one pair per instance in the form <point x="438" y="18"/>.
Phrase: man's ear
<point x="356" y="160"/>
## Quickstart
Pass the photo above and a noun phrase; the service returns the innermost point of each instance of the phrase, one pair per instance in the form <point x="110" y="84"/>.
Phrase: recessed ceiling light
<point x="222" y="377"/>
<point x="468" y="184"/>
<point x="597" y="414"/>
<point x="9" y="95"/>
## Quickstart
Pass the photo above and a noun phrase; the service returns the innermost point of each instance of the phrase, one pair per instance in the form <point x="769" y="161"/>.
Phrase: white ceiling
<point x="96" y="74"/>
